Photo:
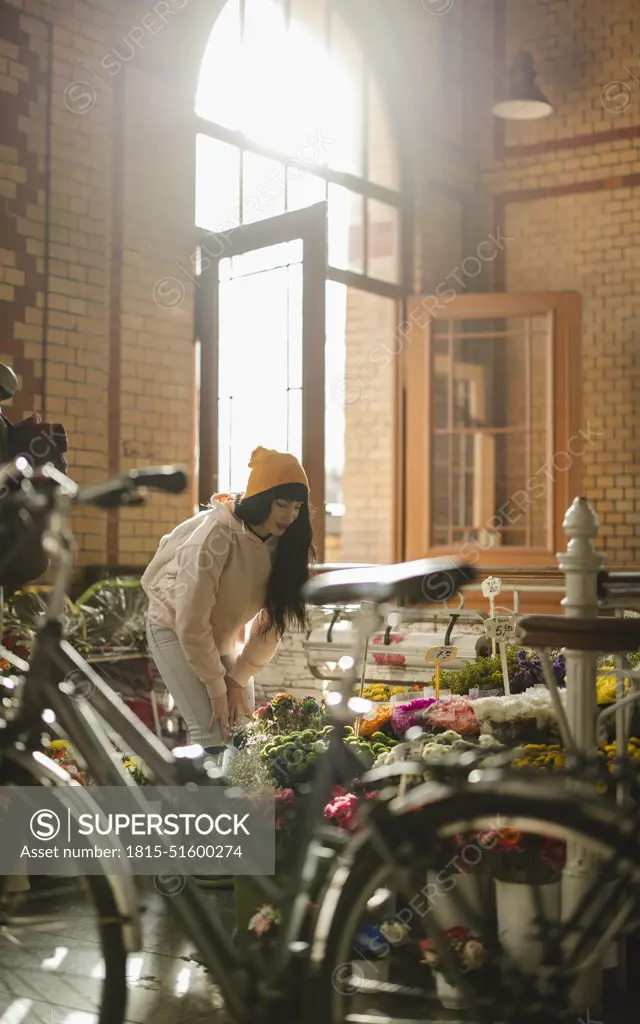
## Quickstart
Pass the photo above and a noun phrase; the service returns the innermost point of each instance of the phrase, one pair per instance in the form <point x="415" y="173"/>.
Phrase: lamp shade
<point x="523" y="101"/>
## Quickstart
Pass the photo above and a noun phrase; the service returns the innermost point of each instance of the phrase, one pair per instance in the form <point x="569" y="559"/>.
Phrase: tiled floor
<point x="52" y="975"/>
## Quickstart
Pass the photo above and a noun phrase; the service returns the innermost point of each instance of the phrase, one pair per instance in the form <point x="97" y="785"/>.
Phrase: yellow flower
<point x="60" y="745"/>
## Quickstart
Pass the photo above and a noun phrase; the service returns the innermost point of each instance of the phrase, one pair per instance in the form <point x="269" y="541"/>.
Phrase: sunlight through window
<point x="276" y="84"/>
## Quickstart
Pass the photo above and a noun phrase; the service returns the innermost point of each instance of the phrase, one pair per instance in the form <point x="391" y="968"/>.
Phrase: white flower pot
<point x="452" y="895"/>
<point x="516" y="912"/>
<point x="449" y="995"/>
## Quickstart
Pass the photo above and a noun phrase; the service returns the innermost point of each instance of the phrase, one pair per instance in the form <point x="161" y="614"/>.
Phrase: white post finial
<point x="581" y="565"/>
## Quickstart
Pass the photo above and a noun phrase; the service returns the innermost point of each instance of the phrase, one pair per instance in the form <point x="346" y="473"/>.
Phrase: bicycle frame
<point x="84" y="720"/>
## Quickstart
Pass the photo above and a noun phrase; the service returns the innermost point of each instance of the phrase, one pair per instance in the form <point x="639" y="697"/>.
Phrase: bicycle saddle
<point x="418" y="582"/>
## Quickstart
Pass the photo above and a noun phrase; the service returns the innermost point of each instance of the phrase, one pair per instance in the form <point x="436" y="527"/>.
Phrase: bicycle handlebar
<point x="123" y="490"/>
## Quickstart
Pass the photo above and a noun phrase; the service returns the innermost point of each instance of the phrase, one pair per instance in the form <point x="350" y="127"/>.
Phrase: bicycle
<point x="58" y="675"/>
<point x="335" y="879"/>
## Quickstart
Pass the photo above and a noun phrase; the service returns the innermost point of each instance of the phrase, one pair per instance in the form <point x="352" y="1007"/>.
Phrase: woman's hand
<point x="220" y="714"/>
<point x="237" y="701"/>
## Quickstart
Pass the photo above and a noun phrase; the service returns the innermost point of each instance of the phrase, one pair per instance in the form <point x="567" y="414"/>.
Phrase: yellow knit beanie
<point x="270" y="468"/>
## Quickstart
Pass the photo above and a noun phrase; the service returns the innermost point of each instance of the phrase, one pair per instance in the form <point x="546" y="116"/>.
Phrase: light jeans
<point x="189" y="693"/>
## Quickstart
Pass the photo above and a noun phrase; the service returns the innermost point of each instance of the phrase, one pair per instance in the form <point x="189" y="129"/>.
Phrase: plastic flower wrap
<point x="135" y="766"/>
<point x="606" y="686"/>
<point x="532" y="705"/>
<point x="457" y="715"/>
<point x="403" y="716"/>
<point x="376" y="720"/>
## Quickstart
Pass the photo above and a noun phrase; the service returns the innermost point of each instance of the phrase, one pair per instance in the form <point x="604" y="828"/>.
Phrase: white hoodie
<point x="207" y="580"/>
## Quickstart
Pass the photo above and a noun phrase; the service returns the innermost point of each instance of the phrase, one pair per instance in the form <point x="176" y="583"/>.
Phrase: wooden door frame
<point x="310" y="225"/>
<point x="565" y="403"/>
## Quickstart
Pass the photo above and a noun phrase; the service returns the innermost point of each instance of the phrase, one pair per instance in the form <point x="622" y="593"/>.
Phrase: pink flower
<point x="342" y="811"/>
<point x="264" y="919"/>
<point x="263" y="712"/>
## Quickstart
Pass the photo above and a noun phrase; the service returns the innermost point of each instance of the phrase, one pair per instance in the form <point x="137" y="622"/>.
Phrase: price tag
<point x="439" y="654"/>
<point x="491" y="586"/>
<point x="501" y="627"/>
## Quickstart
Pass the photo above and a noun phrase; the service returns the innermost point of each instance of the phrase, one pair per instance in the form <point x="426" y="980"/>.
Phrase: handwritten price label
<point x="501" y="627"/>
<point x="440" y="654"/>
<point x="491" y="586"/>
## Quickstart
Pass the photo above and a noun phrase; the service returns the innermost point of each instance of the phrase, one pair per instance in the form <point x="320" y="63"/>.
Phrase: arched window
<point x="290" y="115"/>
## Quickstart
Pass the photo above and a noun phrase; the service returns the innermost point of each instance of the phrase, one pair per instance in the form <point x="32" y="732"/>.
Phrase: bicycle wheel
<point x="400" y="872"/>
<point x="64" y="940"/>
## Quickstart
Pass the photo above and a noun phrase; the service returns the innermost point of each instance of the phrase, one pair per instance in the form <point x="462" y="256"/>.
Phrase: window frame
<point x="401" y="199"/>
<point x="564" y="409"/>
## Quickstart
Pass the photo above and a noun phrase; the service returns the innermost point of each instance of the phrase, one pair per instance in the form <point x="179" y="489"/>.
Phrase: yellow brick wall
<point x="120" y="200"/>
<point x="566" y="190"/>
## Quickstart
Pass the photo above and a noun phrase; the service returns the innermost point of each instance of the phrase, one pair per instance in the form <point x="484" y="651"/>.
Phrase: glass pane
<point x="383" y="241"/>
<point x="215" y="99"/>
<point x="440" y="482"/>
<point x="347" y="65"/>
<point x="294" y="423"/>
<point x="256" y="406"/>
<point x="335" y="369"/>
<point x="303" y="189"/>
<point x="263" y="188"/>
<point x="463" y="479"/>
<point x="382" y="164"/>
<point x="295" y="325"/>
<point x="257" y="260"/>
<point x="346" y="229"/>
<point x="440" y="396"/>
<point x="359" y="426"/>
<point x="217" y="184"/>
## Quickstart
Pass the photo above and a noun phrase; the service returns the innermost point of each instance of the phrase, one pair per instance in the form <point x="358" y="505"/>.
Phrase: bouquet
<point x="61" y="752"/>
<point x="457" y="715"/>
<point x="403" y="716"/>
<point x="342" y="811"/>
<point x="530" y="673"/>
<point x="525" y="858"/>
<point x="466" y="950"/>
<point x="285" y="714"/>
<point x="519" y="718"/>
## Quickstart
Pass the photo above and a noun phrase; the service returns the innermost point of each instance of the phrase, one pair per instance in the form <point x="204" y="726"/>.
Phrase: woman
<point x="244" y="558"/>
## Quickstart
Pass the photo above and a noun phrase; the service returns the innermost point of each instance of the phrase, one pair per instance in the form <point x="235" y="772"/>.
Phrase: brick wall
<point x="96" y="182"/>
<point x="565" y="190"/>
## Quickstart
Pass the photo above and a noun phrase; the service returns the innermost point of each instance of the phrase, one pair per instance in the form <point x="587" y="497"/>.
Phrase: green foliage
<point x="484" y="673"/>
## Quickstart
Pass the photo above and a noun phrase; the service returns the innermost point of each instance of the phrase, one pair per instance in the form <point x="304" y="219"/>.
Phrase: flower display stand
<point x="516" y="912"/>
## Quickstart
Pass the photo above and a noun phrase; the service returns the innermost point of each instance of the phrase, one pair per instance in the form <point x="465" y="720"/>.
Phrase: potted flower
<point x="247" y="891"/>
<point x="467" y="954"/>
<point x="527" y="870"/>
<point x="458" y="893"/>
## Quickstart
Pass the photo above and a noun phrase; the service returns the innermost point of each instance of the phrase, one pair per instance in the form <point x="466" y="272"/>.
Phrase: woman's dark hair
<point x="284" y="605"/>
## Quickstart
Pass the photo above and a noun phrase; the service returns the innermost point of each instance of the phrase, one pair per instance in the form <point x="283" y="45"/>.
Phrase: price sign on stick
<point x="501" y="627"/>
<point x="438" y="655"/>
<point x="491" y="587"/>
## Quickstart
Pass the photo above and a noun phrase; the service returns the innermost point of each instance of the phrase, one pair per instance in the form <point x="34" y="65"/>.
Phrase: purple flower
<point x="404" y="715"/>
